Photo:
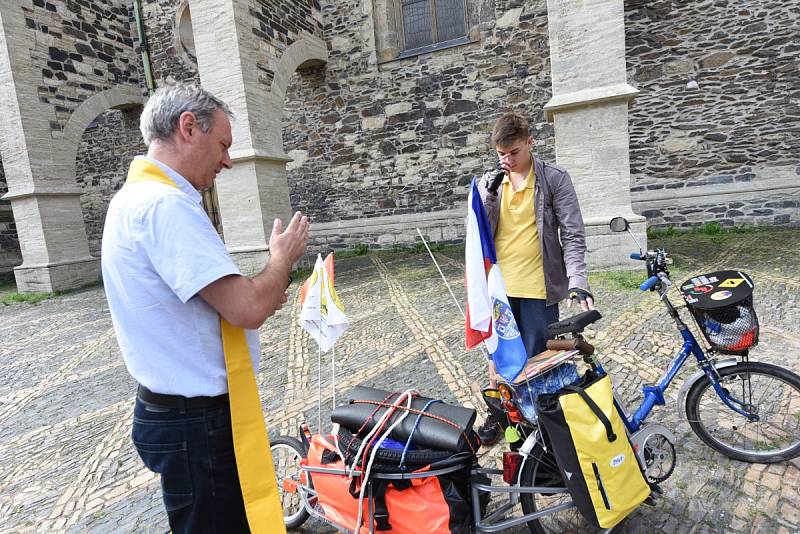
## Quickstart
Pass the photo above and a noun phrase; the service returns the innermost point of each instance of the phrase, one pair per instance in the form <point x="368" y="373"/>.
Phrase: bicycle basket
<point x="722" y="304"/>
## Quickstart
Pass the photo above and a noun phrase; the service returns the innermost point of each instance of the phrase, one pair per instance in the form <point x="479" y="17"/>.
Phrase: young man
<point x="168" y="279"/>
<point x="539" y="237"/>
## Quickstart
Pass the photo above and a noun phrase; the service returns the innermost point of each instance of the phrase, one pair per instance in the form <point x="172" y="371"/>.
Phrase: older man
<point x="168" y="279"/>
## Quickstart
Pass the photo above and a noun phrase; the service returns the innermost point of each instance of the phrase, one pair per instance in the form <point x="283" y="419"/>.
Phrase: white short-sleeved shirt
<point x="159" y="250"/>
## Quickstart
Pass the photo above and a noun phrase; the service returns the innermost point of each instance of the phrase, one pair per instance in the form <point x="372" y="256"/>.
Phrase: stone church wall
<point x="277" y="24"/>
<point x="405" y="136"/>
<point x="172" y="56"/>
<point x="106" y="150"/>
<point x="82" y="48"/>
<point x="715" y="131"/>
<point x="372" y="139"/>
<point x="113" y="139"/>
<point x="729" y="149"/>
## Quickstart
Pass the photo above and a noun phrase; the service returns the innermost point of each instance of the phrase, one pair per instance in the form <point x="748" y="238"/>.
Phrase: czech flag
<point x="489" y="316"/>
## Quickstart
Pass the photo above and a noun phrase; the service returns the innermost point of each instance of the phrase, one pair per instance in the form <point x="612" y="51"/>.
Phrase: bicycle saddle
<point x="574" y="324"/>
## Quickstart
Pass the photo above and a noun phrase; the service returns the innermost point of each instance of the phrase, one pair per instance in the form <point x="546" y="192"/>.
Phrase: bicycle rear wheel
<point x="286" y="455"/>
<point x="770" y="394"/>
<point x="541" y="470"/>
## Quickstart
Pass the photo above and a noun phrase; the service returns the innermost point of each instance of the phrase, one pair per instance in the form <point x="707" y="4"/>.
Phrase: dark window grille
<point x="430" y="22"/>
<point x="450" y="23"/>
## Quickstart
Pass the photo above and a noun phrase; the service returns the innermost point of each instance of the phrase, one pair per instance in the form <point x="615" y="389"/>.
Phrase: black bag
<point x="442" y="426"/>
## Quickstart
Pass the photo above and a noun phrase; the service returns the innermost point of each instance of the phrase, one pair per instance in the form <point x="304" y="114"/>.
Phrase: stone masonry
<point x="170" y="59"/>
<point x="106" y="149"/>
<point x="376" y="139"/>
<point x="62" y="64"/>
<point x="91" y="41"/>
<point x="726" y="150"/>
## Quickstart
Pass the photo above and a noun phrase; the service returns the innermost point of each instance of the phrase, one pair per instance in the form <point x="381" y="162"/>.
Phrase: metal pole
<point x="484" y="350"/>
<point x="458" y="305"/>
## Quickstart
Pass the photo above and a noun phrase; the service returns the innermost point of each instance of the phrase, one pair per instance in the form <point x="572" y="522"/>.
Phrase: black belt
<point x="180" y="402"/>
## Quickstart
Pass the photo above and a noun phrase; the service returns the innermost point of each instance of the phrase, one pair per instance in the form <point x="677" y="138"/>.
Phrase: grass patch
<point x="7" y="288"/>
<point x="362" y="249"/>
<point x="714" y="231"/>
<point x="30" y="298"/>
<point x="617" y="280"/>
<point x="299" y="275"/>
<point x="13" y="297"/>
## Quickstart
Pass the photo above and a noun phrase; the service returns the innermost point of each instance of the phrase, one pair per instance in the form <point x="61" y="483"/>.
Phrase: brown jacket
<point x="562" y="237"/>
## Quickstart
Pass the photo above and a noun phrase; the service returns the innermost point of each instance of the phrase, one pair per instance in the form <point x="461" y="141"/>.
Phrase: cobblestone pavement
<point x="67" y="463"/>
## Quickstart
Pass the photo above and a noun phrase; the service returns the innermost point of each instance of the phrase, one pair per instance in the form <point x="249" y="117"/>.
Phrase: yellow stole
<point x="250" y="440"/>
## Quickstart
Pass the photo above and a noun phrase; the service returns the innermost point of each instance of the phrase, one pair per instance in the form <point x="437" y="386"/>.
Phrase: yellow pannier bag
<point x="595" y="457"/>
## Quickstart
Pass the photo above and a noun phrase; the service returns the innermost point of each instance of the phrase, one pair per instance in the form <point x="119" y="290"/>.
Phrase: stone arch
<point x="94" y="197"/>
<point x="305" y="52"/>
<point x="116" y="98"/>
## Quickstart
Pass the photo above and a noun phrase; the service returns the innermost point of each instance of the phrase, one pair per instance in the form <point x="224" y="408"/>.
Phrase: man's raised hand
<point x="289" y="245"/>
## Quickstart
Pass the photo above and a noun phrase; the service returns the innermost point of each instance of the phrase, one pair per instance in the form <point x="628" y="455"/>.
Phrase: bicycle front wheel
<point x="769" y="394"/>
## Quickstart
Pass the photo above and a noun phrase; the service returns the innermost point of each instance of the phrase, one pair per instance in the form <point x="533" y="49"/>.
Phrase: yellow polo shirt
<point x="517" y="241"/>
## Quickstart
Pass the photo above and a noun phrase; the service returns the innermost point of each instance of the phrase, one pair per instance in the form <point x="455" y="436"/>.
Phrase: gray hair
<point x="160" y="116"/>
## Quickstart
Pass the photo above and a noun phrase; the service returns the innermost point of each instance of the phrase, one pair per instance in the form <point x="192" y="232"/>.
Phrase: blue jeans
<point x="533" y="316"/>
<point x="192" y="450"/>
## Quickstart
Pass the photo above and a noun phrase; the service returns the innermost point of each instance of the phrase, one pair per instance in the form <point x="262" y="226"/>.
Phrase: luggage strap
<point x="596" y="409"/>
<point x="384" y="404"/>
<point x="379" y="488"/>
<point x="411" y="435"/>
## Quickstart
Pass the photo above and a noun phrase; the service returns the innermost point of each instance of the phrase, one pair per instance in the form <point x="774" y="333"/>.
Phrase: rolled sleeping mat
<point x="446" y="430"/>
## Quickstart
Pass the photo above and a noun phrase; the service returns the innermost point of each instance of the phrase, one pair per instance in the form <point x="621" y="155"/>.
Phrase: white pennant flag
<point x="322" y="314"/>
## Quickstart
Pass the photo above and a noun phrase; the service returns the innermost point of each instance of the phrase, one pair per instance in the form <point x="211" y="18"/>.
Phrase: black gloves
<point x="583" y="296"/>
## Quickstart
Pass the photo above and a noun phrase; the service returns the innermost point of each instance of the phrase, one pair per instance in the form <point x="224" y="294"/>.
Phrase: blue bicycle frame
<point x="654" y="395"/>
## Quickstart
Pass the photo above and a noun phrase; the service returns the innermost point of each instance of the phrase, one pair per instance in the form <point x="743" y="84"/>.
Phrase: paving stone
<point x="67" y="464"/>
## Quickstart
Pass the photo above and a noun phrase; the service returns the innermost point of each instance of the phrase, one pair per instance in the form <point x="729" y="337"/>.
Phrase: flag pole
<point x="484" y="350"/>
<point x="319" y="384"/>
<point x="458" y="305"/>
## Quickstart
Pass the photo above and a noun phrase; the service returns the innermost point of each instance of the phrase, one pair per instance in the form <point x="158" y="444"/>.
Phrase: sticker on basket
<point x="701" y="290"/>
<point x="721" y="295"/>
<point x="731" y="282"/>
<point x="689" y="299"/>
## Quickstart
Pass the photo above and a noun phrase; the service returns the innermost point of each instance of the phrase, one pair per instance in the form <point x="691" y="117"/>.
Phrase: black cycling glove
<point x="580" y="295"/>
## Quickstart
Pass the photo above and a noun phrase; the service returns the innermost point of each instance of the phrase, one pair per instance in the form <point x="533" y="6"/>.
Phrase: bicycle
<point x="763" y="400"/>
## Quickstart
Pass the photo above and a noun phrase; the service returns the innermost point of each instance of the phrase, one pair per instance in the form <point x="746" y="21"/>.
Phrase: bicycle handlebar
<point x="637" y="256"/>
<point x="649" y="283"/>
